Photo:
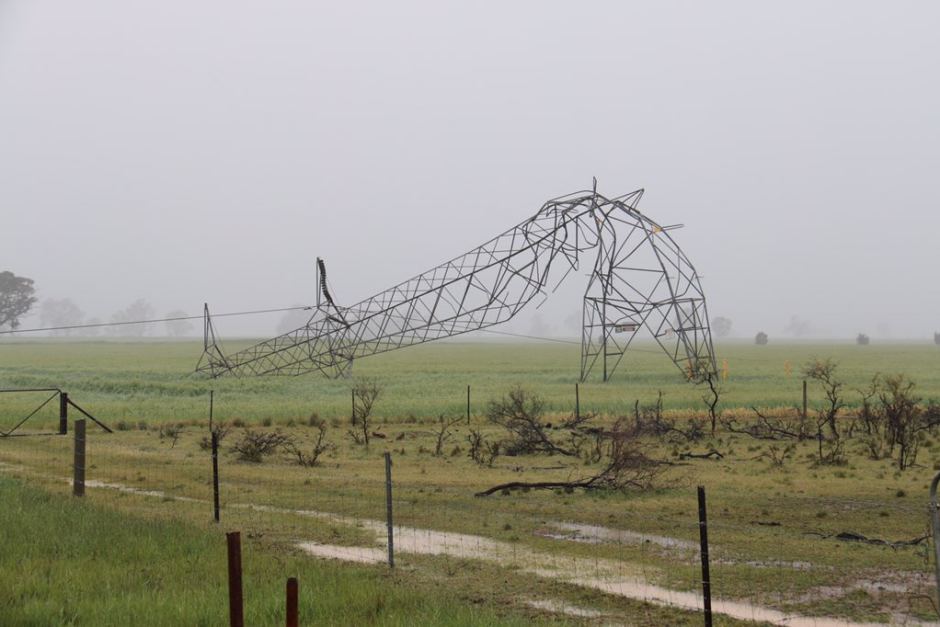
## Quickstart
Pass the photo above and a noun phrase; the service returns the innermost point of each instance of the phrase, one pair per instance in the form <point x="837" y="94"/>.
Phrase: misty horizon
<point x="150" y="155"/>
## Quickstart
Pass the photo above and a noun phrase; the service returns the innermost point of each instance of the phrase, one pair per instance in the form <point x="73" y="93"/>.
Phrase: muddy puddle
<point x="607" y="575"/>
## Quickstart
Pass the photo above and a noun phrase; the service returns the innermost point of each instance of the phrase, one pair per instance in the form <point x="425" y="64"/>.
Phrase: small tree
<point x="444" y="433"/>
<point x="177" y="328"/>
<point x="862" y="340"/>
<point x="760" y="339"/>
<point x="823" y="371"/>
<point x="364" y="395"/>
<point x="903" y="428"/>
<point x="137" y="311"/>
<point x="721" y="326"/>
<point x="320" y="446"/>
<point x="936" y="339"/>
<point x="63" y="312"/>
<point x="712" y="397"/>
<point x="16" y="298"/>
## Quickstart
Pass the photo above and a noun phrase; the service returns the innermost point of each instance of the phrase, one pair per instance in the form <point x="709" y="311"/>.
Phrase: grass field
<point x="153" y="381"/>
<point x="772" y="529"/>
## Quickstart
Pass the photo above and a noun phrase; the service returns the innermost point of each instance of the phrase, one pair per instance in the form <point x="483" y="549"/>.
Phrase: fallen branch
<point x="627" y="467"/>
<point x="851" y="536"/>
<point x="712" y="454"/>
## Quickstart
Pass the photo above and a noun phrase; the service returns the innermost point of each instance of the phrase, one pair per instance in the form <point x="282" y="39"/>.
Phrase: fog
<point x="183" y="152"/>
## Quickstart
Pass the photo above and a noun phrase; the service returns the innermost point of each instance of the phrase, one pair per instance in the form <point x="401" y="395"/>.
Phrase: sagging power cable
<point x="154" y="320"/>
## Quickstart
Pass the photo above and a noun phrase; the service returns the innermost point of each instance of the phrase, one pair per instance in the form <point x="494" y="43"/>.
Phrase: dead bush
<point x="481" y="450"/>
<point x="626" y="466"/>
<point x="520" y="413"/>
<point x="220" y="429"/>
<point x="320" y="446"/>
<point x="254" y="446"/>
<point x="364" y="395"/>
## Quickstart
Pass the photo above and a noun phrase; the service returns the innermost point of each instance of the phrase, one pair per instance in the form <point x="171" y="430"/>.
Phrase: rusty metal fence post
<point x="293" y="615"/>
<point x="78" y="468"/>
<point x="703" y="539"/>
<point x="235" y="601"/>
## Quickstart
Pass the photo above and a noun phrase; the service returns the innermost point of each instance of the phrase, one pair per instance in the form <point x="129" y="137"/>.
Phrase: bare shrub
<point x="778" y="455"/>
<point x="254" y="446"/>
<point x="220" y="429"/>
<point x="520" y="413"/>
<point x="481" y="450"/>
<point x="364" y="395"/>
<point x="170" y="432"/>
<point x="760" y="339"/>
<point x="831" y="451"/>
<point x="823" y="371"/>
<point x="444" y="433"/>
<point x="320" y="446"/>
<point x="904" y="424"/>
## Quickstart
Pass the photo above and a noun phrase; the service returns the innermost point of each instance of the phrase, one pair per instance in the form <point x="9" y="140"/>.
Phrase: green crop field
<point x="153" y="381"/>
<point x="583" y="557"/>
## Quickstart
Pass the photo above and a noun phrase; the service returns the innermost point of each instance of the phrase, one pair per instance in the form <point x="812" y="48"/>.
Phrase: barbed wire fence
<point x="329" y="510"/>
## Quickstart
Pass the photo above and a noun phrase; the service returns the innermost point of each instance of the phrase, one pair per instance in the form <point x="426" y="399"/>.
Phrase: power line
<point x="559" y="340"/>
<point x="530" y="337"/>
<point x="174" y="319"/>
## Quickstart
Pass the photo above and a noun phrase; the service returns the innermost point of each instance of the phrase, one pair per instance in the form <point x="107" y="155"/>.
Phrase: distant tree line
<point x="18" y="299"/>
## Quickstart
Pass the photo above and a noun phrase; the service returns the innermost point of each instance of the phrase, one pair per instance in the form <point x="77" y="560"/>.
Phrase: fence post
<point x="935" y="527"/>
<point x="577" y="402"/>
<point x="215" y="475"/>
<point x="468" y="404"/>
<point x="804" y="399"/>
<point x="63" y="413"/>
<point x="388" y="509"/>
<point x="703" y="539"/>
<point x="235" y="603"/>
<point x="293" y="619"/>
<point x="78" y="481"/>
<point x="211" y="395"/>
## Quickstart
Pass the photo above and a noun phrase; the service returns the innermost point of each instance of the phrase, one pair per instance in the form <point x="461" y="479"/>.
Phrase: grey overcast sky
<point x="209" y="151"/>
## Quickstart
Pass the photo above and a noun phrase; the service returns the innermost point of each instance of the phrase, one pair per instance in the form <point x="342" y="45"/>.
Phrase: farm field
<point x="152" y="380"/>
<point x="551" y="555"/>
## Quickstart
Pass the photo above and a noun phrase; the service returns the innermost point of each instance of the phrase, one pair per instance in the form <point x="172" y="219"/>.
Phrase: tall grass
<point x="68" y="562"/>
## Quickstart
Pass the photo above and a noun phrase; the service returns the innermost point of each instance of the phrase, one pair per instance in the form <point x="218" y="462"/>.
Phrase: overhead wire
<point x="154" y="320"/>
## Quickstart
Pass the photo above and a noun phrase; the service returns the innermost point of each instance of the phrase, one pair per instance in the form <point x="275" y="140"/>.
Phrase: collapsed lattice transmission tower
<point x="640" y="279"/>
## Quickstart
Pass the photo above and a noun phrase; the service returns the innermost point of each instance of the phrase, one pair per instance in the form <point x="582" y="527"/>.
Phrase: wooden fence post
<point x="63" y="413"/>
<point x="703" y="539"/>
<point x="804" y="399"/>
<point x="215" y="475"/>
<point x="293" y="617"/>
<point x="78" y="469"/>
<point x="577" y="402"/>
<point x="388" y="509"/>
<point x="236" y="610"/>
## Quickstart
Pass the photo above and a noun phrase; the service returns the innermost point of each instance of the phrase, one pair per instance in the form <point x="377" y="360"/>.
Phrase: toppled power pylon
<point x="641" y="279"/>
